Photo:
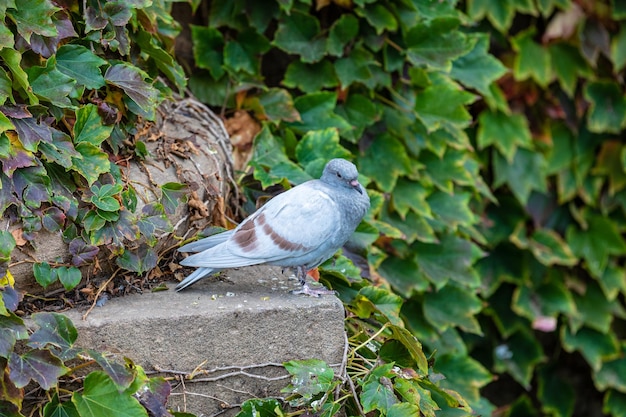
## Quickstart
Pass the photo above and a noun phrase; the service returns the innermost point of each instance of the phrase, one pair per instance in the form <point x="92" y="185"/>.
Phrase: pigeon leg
<point x="313" y="292"/>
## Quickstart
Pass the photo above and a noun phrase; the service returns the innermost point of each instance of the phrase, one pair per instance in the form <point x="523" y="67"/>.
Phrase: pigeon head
<point x="342" y="173"/>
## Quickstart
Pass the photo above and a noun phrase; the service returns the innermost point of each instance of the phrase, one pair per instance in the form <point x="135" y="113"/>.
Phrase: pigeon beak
<point x="355" y="184"/>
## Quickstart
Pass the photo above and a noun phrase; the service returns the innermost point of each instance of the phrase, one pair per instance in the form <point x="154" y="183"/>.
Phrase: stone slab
<point x="244" y="319"/>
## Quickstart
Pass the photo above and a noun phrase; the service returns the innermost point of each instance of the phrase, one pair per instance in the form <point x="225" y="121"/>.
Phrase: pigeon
<point x="300" y="229"/>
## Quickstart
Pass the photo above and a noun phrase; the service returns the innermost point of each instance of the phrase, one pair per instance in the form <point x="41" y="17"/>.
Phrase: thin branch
<point x="102" y="287"/>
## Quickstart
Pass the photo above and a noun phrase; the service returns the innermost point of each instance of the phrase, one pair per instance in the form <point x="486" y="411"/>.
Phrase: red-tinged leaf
<point x="154" y="397"/>
<point x="138" y="260"/>
<point x="56" y="330"/>
<point x="47" y="46"/>
<point x="17" y="157"/>
<point x="12" y="328"/>
<point x="10" y="297"/>
<point x="32" y="133"/>
<point x="122" y="376"/>
<point x="32" y="184"/>
<point x="53" y="219"/>
<point x="40" y="366"/>
<point x="33" y="16"/>
<point x="82" y="253"/>
<point x="132" y="80"/>
<point x="61" y="150"/>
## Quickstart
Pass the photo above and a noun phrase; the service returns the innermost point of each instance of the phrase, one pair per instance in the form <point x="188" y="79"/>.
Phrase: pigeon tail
<point x="195" y="276"/>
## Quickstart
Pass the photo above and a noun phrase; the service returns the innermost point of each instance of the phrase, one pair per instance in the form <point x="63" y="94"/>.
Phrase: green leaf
<point x="309" y="377"/>
<point x="384" y="301"/>
<point x="101" y="398"/>
<point x="317" y="112"/>
<point x="34" y="16"/>
<point x="93" y="222"/>
<point x="412" y="345"/>
<point x="452" y="258"/>
<point x="104" y="197"/>
<point x="550" y="249"/>
<point x="39" y="365"/>
<point x="89" y="127"/>
<point x="317" y="147"/>
<point x="453" y="210"/>
<point x="568" y="65"/>
<point x="410" y="195"/>
<point x="403" y="275"/>
<point x="69" y="276"/>
<point x="275" y="104"/>
<point x="618" y="50"/>
<point x="612" y="375"/>
<point x="299" y="34"/>
<point x="121" y="375"/>
<point x="523" y="353"/>
<point x="44" y="274"/>
<point x="132" y="81"/>
<point x="310" y="77"/>
<point x="443" y="104"/>
<point x="360" y="112"/>
<point x="355" y="68"/>
<point x="556" y="394"/>
<point x="140" y="260"/>
<point x="259" y="407"/>
<point x="506" y="132"/>
<point x="207" y="49"/>
<point x="50" y="84"/>
<point x="12" y="60"/>
<point x="499" y="12"/>
<point x="584" y="243"/>
<point x="377" y="392"/>
<point x="379" y="17"/>
<point x="82" y="65"/>
<point x="614" y="404"/>
<point x="437" y="44"/>
<point x="55" y="408"/>
<point x="595" y="347"/>
<point x="463" y="373"/>
<point x="595" y="311"/>
<point x="532" y="60"/>
<point x="92" y="163"/>
<point x="478" y="69"/>
<point x="607" y="111"/>
<point x="344" y="30"/>
<point x="385" y="160"/>
<point x="453" y="306"/>
<point x="172" y="194"/>
<point x="524" y="174"/>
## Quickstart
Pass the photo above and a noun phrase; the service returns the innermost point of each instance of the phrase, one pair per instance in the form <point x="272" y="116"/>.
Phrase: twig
<point x="102" y="287"/>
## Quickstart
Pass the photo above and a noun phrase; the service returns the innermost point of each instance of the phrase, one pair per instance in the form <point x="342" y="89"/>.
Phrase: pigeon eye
<point x="339" y="175"/>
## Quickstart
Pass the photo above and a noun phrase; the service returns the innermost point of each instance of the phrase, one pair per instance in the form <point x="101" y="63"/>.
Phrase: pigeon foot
<point x="313" y="292"/>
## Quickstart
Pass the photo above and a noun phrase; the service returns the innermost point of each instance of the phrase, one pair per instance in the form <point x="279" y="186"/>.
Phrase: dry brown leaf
<point x="564" y="23"/>
<point x="18" y="235"/>
<point x="242" y="129"/>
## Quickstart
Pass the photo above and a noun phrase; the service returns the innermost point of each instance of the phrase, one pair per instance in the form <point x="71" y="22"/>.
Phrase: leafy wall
<point x="490" y="135"/>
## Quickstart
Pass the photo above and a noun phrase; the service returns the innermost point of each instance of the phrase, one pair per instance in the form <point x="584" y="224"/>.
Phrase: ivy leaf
<point x="163" y="59"/>
<point x="104" y="197"/>
<point x="54" y="329"/>
<point x="499" y="12"/>
<point x="13" y="59"/>
<point x="410" y="195"/>
<point x="614" y="401"/>
<point x="384" y="301"/>
<point x="478" y="69"/>
<point x="317" y="147"/>
<point x="39" y="365"/>
<point x="82" y="65"/>
<point x="275" y="104"/>
<point x="140" y="260"/>
<point x="242" y="54"/>
<point x="122" y="376"/>
<point x="412" y="345"/>
<point x="12" y="328"/>
<point x="51" y="85"/>
<point x="82" y="253"/>
<point x="609" y="163"/>
<point x="61" y="150"/>
<point x="309" y="378"/>
<point x="317" y="112"/>
<point x="452" y="258"/>
<point x="172" y="194"/>
<point x="33" y="16"/>
<point x="17" y="157"/>
<point x="32" y="133"/>
<point x="131" y="80"/>
<point x="260" y="407"/>
<point x="453" y="306"/>
<point x="568" y="65"/>
<point x="596" y="347"/>
<point x="453" y="210"/>
<point x="401" y="274"/>
<point x="53" y="219"/>
<point x="69" y="276"/>
<point x="607" y="112"/>
<point x="310" y="77"/>
<point x="341" y="32"/>
<point x="377" y="392"/>
<point x="32" y="184"/>
<point x="360" y="112"/>
<point x="101" y="397"/>
<point x="379" y="17"/>
<point x="463" y="373"/>
<point x="55" y="408"/>
<point x="532" y="60"/>
<point x="299" y="33"/>
<point x="584" y="243"/>
<point x="611" y="375"/>
<point x="524" y="354"/>
<point x="437" y="44"/>
<point x="506" y="132"/>
<point x="44" y="274"/>
<point x="556" y="394"/>
<point x="443" y="104"/>
<point x="356" y="67"/>
<point x="618" y="50"/>
<point x="385" y="160"/>
<point x="594" y="310"/>
<point x="92" y="162"/>
<point x="524" y="174"/>
<point x="207" y="49"/>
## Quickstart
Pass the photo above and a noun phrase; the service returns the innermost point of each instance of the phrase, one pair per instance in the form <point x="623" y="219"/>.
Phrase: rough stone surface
<point x="246" y="317"/>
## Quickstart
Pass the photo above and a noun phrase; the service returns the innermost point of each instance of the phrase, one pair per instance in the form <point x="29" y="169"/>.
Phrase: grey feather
<point x="299" y="228"/>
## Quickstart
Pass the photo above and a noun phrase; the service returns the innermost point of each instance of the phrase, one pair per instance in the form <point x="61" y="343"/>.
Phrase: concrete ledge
<point x="250" y="318"/>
